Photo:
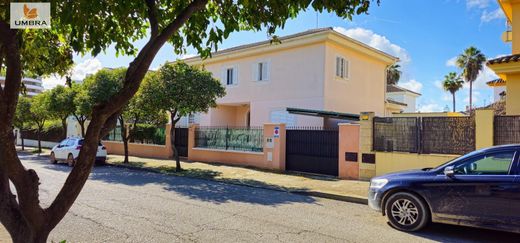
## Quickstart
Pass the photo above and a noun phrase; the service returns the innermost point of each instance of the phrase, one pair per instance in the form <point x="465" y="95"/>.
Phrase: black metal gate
<point x="312" y="151"/>
<point x="181" y="141"/>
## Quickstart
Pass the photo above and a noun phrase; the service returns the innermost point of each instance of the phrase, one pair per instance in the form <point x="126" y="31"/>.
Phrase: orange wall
<point x="140" y="150"/>
<point x="348" y="142"/>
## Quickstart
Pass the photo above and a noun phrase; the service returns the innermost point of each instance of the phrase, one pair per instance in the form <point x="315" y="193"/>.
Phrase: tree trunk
<point x="82" y="127"/>
<point x="453" y="94"/>
<point x="124" y="136"/>
<point x="178" y="167"/>
<point x="64" y="126"/>
<point x="22" y="215"/>
<point x="470" y="96"/>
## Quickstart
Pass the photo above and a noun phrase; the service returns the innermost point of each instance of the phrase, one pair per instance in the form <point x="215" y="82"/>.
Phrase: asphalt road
<point x="119" y="205"/>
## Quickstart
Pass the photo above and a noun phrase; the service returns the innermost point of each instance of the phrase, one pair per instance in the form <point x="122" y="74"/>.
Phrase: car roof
<point x="501" y="147"/>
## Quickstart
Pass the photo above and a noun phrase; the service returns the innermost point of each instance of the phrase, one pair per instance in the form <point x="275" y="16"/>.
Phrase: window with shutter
<point x="342" y="67"/>
<point x="261" y="71"/>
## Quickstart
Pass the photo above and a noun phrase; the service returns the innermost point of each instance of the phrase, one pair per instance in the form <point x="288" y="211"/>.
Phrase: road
<point x="119" y="205"/>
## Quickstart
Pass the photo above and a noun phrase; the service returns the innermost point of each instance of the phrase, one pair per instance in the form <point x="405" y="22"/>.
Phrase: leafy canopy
<point x="452" y="82"/>
<point x="92" y="26"/>
<point x="23" y="118"/>
<point x="182" y="89"/>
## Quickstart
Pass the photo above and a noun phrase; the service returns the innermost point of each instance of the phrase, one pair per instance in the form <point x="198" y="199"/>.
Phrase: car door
<point x="58" y="152"/>
<point x="483" y="191"/>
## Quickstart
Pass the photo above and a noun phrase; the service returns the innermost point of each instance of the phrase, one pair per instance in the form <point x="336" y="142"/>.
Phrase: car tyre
<point x="53" y="158"/>
<point x="407" y="212"/>
<point x="70" y="160"/>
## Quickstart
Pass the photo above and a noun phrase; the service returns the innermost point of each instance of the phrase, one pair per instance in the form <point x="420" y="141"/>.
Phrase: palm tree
<point x="393" y="74"/>
<point x="452" y="83"/>
<point x="471" y="61"/>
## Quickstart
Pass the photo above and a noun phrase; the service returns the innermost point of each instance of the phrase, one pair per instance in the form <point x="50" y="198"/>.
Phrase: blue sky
<point x="425" y="34"/>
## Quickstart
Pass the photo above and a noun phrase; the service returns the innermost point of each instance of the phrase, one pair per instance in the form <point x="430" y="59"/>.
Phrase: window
<point x="342" y="66"/>
<point x="229" y="75"/>
<point x="262" y="71"/>
<point x="489" y="164"/>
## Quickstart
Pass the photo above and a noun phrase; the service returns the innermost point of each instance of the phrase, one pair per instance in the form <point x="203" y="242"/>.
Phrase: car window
<point x="80" y="142"/>
<point x="488" y="164"/>
<point x="64" y="142"/>
<point x="70" y="142"/>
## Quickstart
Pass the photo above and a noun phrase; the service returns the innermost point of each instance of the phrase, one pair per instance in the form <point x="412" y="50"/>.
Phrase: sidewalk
<point x="320" y="186"/>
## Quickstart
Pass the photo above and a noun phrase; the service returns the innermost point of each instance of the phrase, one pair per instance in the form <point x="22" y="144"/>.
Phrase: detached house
<point x="314" y="78"/>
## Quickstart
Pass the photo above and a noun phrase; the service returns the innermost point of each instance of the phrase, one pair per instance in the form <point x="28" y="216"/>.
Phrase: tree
<point x="135" y="112"/>
<point x="40" y="105"/>
<point x="22" y="119"/>
<point x="90" y="27"/>
<point x="471" y="61"/>
<point x="180" y="89"/>
<point x="82" y="106"/>
<point x="393" y="74"/>
<point x="61" y="105"/>
<point x="452" y="83"/>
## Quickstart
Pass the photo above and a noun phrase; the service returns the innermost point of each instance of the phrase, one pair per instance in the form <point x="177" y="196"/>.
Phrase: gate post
<point x="191" y="140"/>
<point x="348" y="166"/>
<point x="274" y="145"/>
<point x="484" y="120"/>
<point x="366" y="157"/>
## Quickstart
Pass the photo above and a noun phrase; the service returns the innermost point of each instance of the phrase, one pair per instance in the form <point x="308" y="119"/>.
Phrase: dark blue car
<point x="479" y="189"/>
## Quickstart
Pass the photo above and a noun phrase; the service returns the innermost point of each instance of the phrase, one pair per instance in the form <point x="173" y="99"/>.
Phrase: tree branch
<point x="152" y="17"/>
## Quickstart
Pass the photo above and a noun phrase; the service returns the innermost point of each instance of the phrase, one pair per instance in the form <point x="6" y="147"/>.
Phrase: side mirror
<point x="449" y="171"/>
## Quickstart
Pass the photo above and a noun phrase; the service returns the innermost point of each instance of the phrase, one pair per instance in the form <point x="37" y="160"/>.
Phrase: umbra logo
<point x="30" y="15"/>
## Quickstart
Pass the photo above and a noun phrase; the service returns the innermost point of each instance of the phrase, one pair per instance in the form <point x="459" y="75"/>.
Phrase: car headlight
<point x="378" y="183"/>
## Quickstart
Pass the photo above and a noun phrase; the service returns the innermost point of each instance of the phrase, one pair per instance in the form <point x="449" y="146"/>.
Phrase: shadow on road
<point x="199" y="189"/>
<point x="447" y="233"/>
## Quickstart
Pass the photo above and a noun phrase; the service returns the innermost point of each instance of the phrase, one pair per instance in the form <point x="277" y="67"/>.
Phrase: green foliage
<point x="23" y="118"/>
<point x="393" y="74"/>
<point x="452" y="82"/>
<point x="39" y="109"/>
<point x="61" y="102"/>
<point x="138" y="110"/>
<point x="471" y="61"/>
<point x="148" y="133"/>
<point x="182" y="89"/>
<point x="92" y="26"/>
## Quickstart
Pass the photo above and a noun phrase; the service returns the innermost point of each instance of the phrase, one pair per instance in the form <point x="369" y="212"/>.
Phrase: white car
<point x="68" y="151"/>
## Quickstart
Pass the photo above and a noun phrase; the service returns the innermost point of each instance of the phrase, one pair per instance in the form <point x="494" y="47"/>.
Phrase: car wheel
<point x="407" y="212"/>
<point x="53" y="158"/>
<point x="70" y="160"/>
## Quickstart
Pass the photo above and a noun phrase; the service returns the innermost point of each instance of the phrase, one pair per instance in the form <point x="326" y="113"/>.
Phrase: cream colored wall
<point x="396" y="161"/>
<point x="295" y="80"/>
<point x="364" y="90"/>
<point x="404" y="97"/>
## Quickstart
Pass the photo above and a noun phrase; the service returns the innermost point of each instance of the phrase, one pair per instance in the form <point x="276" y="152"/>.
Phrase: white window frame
<point x="224" y="75"/>
<point x="256" y="72"/>
<point x="346" y="68"/>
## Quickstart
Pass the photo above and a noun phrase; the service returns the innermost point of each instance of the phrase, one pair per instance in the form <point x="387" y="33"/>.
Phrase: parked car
<point x="480" y="189"/>
<point x="68" y="151"/>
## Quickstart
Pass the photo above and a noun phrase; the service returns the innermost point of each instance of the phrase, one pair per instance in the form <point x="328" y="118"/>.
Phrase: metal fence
<point x="396" y="134"/>
<point x="230" y="138"/>
<point x="506" y="130"/>
<point x="441" y="135"/>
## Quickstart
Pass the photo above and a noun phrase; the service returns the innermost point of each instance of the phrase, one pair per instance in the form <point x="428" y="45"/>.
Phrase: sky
<point x="426" y="35"/>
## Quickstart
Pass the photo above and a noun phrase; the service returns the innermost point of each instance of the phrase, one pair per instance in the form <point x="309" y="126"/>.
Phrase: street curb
<point x="350" y="199"/>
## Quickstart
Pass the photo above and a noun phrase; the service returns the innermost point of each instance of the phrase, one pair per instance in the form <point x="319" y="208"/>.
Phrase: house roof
<point x="321" y="113"/>
<point x="395" y="88"/>
<point x="395" y="102"/>
<point x="505" y="59"/>
<point x="299" y="35"/>
<point x="496" y="82"/>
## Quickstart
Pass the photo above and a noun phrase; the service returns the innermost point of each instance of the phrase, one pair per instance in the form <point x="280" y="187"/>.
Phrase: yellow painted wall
<point x="513" y="94"/>
<point x="396" y="161"/>
<point x="484" y="128"/>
